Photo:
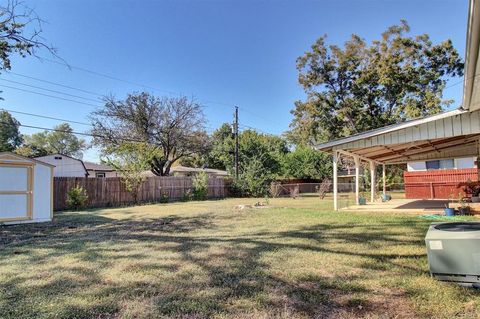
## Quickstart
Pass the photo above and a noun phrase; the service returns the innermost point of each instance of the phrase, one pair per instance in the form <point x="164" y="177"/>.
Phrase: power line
<point x="98" y="94"/>
<point x="79" y="102"/>
<point x="80" y="133"/>
<point x="49" y="90"/>
<point x="48" y="95"/>
<point x="45" y="117"/>
<point x="107" y="76"/>
<point x="72" y="95"/>
<point x="64" y="120"/>
<point x="207" y="101"/>
<point x="56" y="83"/>
<point x="76" y="133"/>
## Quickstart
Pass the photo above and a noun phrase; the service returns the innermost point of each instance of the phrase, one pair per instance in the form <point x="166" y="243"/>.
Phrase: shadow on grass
<point x="230" y="276"/>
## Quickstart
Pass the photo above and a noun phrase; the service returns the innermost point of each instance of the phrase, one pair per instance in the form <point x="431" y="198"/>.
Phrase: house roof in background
<point x="98" y="167"/>
<point x="185" y="169"/>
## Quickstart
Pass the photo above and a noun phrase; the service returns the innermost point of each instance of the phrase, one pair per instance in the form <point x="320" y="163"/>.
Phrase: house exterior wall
<point x="108" y="174"/>
<point x="459" y="163"/>
<point x="66" y="166"/>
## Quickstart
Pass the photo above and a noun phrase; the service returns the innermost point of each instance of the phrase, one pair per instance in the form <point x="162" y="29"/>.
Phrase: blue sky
<point x="223" y="53"/>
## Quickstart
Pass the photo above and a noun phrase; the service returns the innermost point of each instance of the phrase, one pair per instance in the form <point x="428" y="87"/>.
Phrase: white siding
<point x="416" y="166"/>
<point x="93" y="174"/>
<point x="466" y="162"/>
<point x="42" y="193"/>
<point x="463" y="162"/>
<point x="64" y="167"/>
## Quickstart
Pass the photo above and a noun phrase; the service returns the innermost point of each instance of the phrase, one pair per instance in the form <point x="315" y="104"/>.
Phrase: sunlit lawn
<point x="298" y="259"/>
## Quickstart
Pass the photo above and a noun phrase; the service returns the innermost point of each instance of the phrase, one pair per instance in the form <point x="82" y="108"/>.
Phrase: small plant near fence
<point x="187" y="196"/>
<point x="164" y="198"/>
<point x="76" y="198"/>
<point x="200" y="186"/>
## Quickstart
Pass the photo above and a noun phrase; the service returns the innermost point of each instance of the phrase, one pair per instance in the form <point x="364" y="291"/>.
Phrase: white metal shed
<point x="26" y="190"/>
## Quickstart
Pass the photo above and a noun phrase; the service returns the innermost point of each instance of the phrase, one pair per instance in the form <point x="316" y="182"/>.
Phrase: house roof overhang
<point x="451" y="134"/>
<point x="471" y="87"/>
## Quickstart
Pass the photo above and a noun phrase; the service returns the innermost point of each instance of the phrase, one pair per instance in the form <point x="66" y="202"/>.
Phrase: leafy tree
<point x="307" y="163"/>
<point x="200" y="186"/>
<point x="361" y="86"/>
<point x="131" y="160"/>
<point x="222" y="148"/>
<point x="20" y="32"/>
<point x="175" y="126"/>
<point x="10" y="137"/>
<point x="255" y="178"/>
<point x="76" y="198"/>
<point x="30" y="151"/>
<point x="267" y="149"/>
<point x="62" y="140"/>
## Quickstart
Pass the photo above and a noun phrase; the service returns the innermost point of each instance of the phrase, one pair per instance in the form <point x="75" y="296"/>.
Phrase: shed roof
<point x="8" y="156"/>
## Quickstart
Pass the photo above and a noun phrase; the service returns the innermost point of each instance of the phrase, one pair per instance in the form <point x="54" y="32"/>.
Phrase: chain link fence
<point x="346" y="191"/>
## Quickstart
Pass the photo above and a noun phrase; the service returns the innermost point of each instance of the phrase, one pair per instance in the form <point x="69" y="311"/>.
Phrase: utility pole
<point x="235" y="133"/>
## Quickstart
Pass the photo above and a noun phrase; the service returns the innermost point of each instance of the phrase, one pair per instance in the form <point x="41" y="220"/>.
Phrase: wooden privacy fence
<point x="438" y="184"/>
<point x="106" y="192"/>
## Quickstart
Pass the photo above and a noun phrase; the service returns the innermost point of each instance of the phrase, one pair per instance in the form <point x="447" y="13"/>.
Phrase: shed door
<point x="15" y="192"/>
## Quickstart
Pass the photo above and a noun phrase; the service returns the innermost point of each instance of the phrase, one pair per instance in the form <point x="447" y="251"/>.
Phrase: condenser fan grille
<point x="459" y="227"/>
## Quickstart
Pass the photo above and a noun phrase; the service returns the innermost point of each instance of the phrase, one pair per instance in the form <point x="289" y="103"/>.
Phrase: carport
<point x="451" y="134"/>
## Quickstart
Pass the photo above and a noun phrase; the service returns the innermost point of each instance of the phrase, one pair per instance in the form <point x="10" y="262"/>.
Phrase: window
<point x="431" y="165"/>
<point x="100" y="175"/>
<point x="58" y="157"/>
<point x="440" y="164"/>
<point x="447" y="164"/>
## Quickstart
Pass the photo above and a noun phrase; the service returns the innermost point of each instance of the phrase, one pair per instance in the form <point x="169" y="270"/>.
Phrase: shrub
<point x="254" y="180"/>
<point x="187" y="196"/>
<point x="164" y="198"/>
<point x="76" y="198"/>
<point x="200" y="186"/>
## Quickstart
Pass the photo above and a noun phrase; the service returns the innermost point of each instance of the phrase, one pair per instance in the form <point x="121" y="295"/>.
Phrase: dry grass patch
<point x="297" y="259"/>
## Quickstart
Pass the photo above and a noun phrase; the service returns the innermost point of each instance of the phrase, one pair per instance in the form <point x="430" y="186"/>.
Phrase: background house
<point x="191" y="171"/>
<point x="65" y="166"/>
<point x="100" y="170"/>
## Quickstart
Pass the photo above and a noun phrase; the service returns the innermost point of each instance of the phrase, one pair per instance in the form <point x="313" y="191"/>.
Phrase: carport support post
<point x="384" y="179"/>
<point x="372" y="181"/>
<point x="357" y="179"/>
<point x="335" y="180"/>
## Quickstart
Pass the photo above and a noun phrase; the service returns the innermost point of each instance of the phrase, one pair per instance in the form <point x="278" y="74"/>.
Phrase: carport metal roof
<point x="450" y="134"/>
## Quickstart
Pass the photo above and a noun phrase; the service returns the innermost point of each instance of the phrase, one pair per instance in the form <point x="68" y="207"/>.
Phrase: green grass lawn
<point x="298" y="259"/>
